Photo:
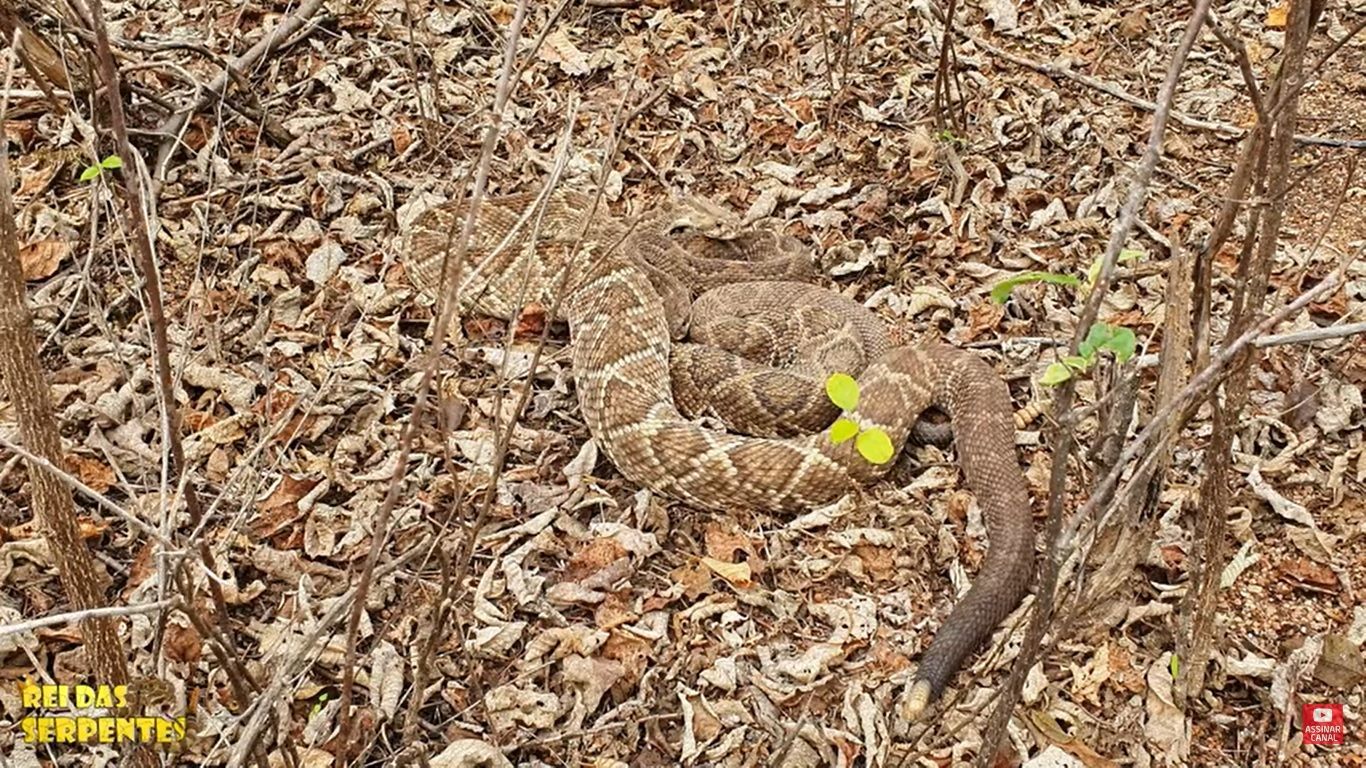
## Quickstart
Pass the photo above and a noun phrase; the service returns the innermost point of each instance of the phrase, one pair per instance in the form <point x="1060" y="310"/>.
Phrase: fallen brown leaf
<point x="33" y="181"/>
<point x="281" y="507"/>
<point x="593" y="557"/>
<point x="878" y="562"/>
<point x="182" y="643"/>
<point x="1306" y="573"/>
<point x="531" y="322"/>
<point x="91" y="528"/>
<point x="41" y="258"/>
<point x="695" y="578"/>
<point x="727" y="544"/>
<point x="401" y="137"/>
<point x="982" y="317"/>
<point x="615" y="610"/>
<point x="738" y="574"/>
<point x="1341" y="664"/>
<point x="92" y="472"/>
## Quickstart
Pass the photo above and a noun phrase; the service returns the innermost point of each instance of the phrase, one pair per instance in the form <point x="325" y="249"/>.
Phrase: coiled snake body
<point x="627" y="297"/>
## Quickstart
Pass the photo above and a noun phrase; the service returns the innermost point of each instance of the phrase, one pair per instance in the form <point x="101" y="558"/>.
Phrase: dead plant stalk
<point x="26" y="387"/>
<point x="1138" y="193"/>
<point x="174" y="471"/>
<point x="1199" y="607"/>
<point x="446" y="307"/>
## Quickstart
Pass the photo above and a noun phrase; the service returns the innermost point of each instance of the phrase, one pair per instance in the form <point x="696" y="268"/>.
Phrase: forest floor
<point x="599" y="624"/>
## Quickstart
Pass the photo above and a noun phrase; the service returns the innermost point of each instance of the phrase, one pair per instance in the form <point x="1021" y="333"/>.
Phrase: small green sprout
<point x="108" y="164"/>
<point x="947" y="136"/>
<point x="1175" y="666"/>
<point x="1126" y="256"/>
<point x="1055" y="374"/>
<point x="1120" y="341"/>
<point x="872" y="444"/>
<point x="1002" y="290"/>
<point x="319" y="704"/>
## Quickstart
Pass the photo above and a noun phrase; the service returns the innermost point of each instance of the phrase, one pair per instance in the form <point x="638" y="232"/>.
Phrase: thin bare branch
<point x="175" y="473"/>
<point x="1189" y="121"/>
<point x="995" y="729"/>
<point x="1311" y="335"/>
<point x="89" y="613"/>
<point x="446" y="306"/>
<point x="71" y="480"/>
<point x="24" y="384"/>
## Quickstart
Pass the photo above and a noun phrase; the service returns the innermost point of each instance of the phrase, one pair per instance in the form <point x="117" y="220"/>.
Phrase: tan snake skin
<point x="627" y="297"/>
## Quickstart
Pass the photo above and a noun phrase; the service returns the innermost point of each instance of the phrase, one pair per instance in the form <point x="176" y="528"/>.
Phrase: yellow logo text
<point x="109" y="720"/>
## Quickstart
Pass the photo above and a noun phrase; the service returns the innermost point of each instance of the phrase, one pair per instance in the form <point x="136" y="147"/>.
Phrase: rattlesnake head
<point x="698" y="216"/>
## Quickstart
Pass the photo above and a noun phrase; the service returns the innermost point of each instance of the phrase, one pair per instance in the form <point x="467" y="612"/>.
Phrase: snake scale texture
<point x="627" y="296"/>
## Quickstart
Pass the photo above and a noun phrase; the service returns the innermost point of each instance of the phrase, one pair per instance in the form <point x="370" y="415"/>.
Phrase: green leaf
<point x="842" y="390"/>
<point x="1123" y="343"/>
<point x="1126" y="256"/>
<point x="1095" y="339"/>
<point x="1079" y="363"/>
<point x="842" y="430"/>
<point x="1055" y="374"/>
<point x="112" y="162"/>
<point x="1002" y="290"/>
<point x="874" y="445"/>
<point x="91" y="172"/>
<point x="1175" y="666"/>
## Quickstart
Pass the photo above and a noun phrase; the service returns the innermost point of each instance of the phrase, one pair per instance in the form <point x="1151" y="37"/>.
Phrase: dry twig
<point x="271" y="42"/>
<point x="446" y="307"/>
<point x="1227" y="129"/>
<point x="1048" y="572"/>
<point x="81" y="616"/>
<point x="25" y="385"/>
<point x="174" y="470"/>
<point x="1312" y="335"/>
<point x="1206" y="562"/>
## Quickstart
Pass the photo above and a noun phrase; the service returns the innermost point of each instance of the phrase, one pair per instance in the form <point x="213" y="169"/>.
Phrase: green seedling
<point x="108" y="164"/>
<point x="950" y="138"/>
<point x="1119" y="341"/>
<point x="872" y="444"/>
<point x="1002" y="290"/>
<point x="1126" y="256"/>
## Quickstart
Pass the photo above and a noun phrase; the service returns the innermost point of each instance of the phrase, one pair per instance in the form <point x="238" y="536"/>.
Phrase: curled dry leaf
<point x="1165" y="726"/>
<point x="386" y="678"/>
<point x="559" y="642"/>
<point x="1342" y="665"/>
<point x="467" y="753"/>
<point x="495" y="641"/>
<point x="510" y="706"/>
<point x="590" y="678"/>
<point x="560" y="50"/>
<point x="737" y="574"/>
<point x="41" y="258"/>
<point x="92" y="472"/>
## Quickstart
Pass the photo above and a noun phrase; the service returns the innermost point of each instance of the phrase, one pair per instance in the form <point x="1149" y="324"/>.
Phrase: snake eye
<point x="680" y="227"/>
